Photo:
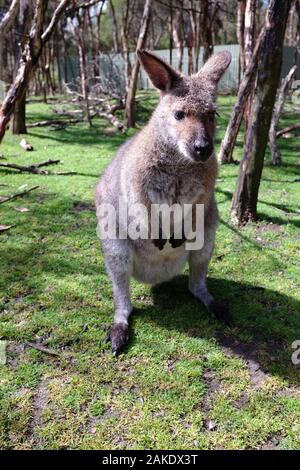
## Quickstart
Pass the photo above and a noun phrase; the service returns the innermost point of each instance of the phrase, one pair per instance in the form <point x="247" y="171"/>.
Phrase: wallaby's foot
<point x="118" y="336"/>
<point x="221" y="312"/>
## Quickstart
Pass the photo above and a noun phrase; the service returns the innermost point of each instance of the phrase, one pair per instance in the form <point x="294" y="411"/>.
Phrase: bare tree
<point x="78" y="34"/>
<point x="244" y="204"/>
<point x="130" y="99"/>
<point x="285" y="86"/>
<point x="31" y="52"/>
<point x="229" y="140"/>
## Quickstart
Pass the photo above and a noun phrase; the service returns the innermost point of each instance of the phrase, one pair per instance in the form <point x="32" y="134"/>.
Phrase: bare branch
<point x="9" y="18"/>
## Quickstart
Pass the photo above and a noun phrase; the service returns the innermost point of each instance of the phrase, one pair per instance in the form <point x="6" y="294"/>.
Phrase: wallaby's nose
<point x="203" y="149"/>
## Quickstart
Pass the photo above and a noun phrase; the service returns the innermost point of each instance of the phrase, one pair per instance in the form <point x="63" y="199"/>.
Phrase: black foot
<point x="118" y="335"/>
<point x="221" y="312"/>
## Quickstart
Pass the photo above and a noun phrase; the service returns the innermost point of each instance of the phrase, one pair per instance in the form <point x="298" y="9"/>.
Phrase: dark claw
<point x="221" y="312"/>
<point x="118" y="335"/>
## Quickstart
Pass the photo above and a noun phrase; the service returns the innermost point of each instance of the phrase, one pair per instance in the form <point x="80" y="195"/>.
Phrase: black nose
<point x="201" y="146"/>
<point x="203" y="149"/>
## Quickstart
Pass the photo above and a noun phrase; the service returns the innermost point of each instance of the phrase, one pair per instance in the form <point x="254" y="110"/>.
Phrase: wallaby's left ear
<point x="161" y="74"/>
<point x="214" y="68"/>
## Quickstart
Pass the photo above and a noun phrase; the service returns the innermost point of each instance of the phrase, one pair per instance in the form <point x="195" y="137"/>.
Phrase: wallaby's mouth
<point x="202" y="156"/>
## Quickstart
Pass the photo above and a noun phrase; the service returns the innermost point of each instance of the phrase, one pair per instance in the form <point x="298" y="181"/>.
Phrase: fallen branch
<point x="286" y="130"/>
<point x="54" y="122"/>
<point x="32" y="168"/>
<point x="43" y="349"/>
<point x="15" y="196"/>
<point x="114" y="121"/>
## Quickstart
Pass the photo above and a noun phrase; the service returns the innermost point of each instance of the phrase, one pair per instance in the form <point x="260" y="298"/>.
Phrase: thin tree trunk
<point x="115" y="26"/>
<point x="244" y="204"/>
<point x="285" y="86"/>
<point x="250" y="28"/>
<point x="125" y="44"/>
<point x="78" y="32"/>
<point x="207" y="31"/>
<point x="229" y="140"/>
<point x="130" y="99"/>
<point x="241" y="36"/>
<point x="178" y="39"/>
<point x="170" y="30"/>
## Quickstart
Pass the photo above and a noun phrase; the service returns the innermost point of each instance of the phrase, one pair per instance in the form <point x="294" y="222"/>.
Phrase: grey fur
<point x="161" y="165"/>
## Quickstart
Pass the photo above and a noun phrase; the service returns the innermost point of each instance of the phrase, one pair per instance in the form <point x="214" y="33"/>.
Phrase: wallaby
<point x="171" y="160"/>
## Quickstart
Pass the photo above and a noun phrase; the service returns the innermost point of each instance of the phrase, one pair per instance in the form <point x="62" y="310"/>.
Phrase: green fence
<point x="112" y="67"/>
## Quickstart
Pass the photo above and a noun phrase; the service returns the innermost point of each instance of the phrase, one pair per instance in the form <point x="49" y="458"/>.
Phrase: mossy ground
<point x="184" y="381"/>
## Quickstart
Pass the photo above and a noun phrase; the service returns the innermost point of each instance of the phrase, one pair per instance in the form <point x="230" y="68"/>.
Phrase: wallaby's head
<point x="185" y="115"/>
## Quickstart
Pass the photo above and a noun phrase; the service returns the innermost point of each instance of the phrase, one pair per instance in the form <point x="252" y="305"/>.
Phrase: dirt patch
<point x="82" y="206"/>
<point x="272" y="442"/>
<point x="269" y="228"/>
<point x="14" y="353"/>
<point x="234" y="348"/>
<point x="39" y="404"/>
<point x="213" y="384"/>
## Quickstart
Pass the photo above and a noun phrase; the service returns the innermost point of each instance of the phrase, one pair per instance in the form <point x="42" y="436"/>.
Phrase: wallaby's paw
<point x="118" y="336"/>
<point x="221" y="312"/>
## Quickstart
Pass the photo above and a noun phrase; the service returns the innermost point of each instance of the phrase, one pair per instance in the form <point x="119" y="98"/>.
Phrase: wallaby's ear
<point x="162" y="75"/>
<point x="214" y="68"/>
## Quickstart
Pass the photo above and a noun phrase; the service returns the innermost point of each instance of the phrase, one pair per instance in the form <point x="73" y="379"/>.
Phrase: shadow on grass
<point x="266" y="323"/>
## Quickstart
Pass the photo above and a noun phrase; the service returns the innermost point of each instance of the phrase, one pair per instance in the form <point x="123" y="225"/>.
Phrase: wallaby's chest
<point x="164" y="186"/>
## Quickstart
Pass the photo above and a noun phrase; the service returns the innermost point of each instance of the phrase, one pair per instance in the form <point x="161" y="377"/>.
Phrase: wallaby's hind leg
<point x="198" y="266"/>
<point x="118" y="260"/>
<point x="198" y="263"/>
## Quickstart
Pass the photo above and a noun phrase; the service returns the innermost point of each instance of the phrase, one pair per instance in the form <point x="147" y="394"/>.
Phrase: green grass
<point x="184" y="381"/>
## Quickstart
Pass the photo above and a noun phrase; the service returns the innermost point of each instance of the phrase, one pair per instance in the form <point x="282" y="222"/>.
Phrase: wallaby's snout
<point x="202" y="150"/>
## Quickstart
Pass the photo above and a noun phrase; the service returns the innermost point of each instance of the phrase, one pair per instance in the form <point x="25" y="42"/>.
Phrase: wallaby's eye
<point x="179" y="115"/>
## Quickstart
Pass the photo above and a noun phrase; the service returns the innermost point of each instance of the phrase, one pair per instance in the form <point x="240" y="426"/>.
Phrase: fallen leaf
<point x="211" y="425"/>
<point x="3" y="228"/>
<point x="21" y="209"/>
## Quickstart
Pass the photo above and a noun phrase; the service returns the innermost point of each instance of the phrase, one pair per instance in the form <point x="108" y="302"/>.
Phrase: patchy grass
<point x="184" y="382"/>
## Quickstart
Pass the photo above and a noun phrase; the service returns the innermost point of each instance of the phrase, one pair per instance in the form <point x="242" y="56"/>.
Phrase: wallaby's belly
<point x="152" y="266"/>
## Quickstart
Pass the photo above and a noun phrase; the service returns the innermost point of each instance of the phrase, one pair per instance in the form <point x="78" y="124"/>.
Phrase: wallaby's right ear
<point x="162" y="75"/>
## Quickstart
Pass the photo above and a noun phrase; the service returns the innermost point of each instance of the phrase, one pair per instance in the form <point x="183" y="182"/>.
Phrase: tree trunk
<point x="207" y="31"/>
<point x="244" y="204"/>
<point x="285" y="86"/>
<point x="17" y="123"/>
<point x="229" y="140"/>
<point x="130" y="99"/>
<point x="241" y="36"/>
<point x="170" y="31"/>
<point x="125" y="44"/>
<point x="178" y="37"/>
<point x="250" y="28"/>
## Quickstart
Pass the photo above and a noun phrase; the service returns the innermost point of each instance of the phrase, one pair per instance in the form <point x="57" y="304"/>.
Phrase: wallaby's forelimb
<point x="119" y="267"/>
